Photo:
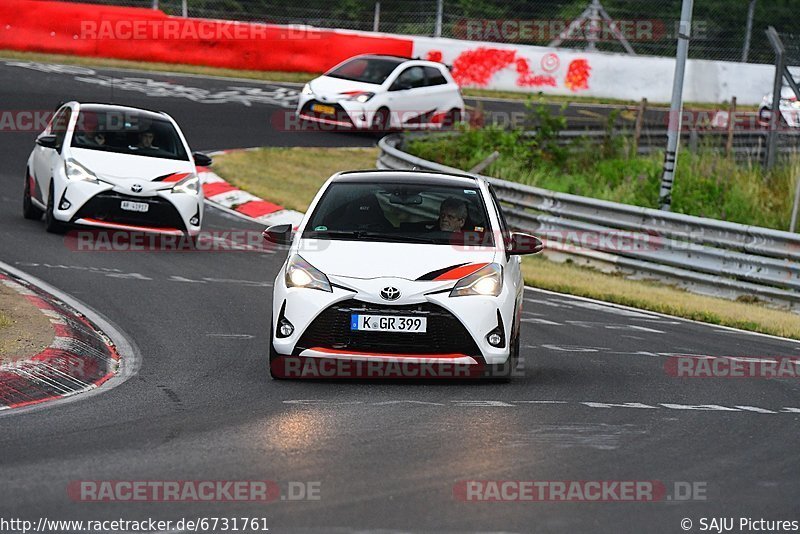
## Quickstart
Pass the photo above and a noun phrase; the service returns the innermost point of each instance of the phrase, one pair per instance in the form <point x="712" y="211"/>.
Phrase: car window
<point x="504" y="229"/>
<point x="411" y="78"/>
<point x="435" y="76"/>
<point x="367" y="70"/>
<point x="127" y="132"/>
<point x="411" y="213"/>
<point x="59" y="126"/>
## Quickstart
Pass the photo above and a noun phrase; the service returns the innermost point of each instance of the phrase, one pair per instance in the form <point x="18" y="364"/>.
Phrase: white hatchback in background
<point x="789" y="106"/>
<point x="382" y="92"/>
<point x="116" y="167"/>
<point x="400" y="267"/>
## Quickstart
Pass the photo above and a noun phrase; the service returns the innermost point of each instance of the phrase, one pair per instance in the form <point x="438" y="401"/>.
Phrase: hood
<point x="371" y="260"/>
<point x="116" y="168"/>
<point x="332" y="89"/>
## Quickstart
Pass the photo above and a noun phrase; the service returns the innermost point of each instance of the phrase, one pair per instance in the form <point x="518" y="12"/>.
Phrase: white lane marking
<point x="608" y="309"/>
<point x="573" y="348"/>
<point x="633" y="327"/>
<point x="536" y="320"/>
<point x="488" y="403"/>
<point x="232" y="336"/>
<point x="727" y="329"/>
<point x="130" y="357"/>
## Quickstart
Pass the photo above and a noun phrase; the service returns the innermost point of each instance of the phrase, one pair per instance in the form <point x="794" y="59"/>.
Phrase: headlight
<point x="189" y="185"/>
<point x="300" y="273"/>
<point x="362" y="97"/>
<point x="307" y="89"/>
<point x="77" y="172"/>
<point x="486" y="281"/>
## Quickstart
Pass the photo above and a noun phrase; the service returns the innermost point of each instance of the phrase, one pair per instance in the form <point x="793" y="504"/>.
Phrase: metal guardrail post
<point x="777" y="85"/>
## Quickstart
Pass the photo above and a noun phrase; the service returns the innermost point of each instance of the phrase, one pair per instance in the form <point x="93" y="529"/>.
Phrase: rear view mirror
<point x="201" y="160"/>
<point x="47" y="141"/>
<point x="280" y="234"/>
<point x="521" y="244"/>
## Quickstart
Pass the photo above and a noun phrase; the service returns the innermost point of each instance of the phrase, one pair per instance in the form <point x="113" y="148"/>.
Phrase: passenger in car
<point x="452" y="215"/>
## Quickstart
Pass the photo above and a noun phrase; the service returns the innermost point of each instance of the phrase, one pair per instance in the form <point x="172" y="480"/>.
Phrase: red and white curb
<point x="229" y="197"/>
<point x="80" y="358"/>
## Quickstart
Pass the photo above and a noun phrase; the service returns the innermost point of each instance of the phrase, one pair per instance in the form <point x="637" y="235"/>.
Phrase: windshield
<point x="404" y="213"/>
<point x="128" y="132"/>
<point x="367" y="70"/>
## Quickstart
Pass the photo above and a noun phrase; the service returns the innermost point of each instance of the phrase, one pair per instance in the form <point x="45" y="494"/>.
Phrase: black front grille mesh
<point x="106" y="207"/>
<point x="445" y="333"/>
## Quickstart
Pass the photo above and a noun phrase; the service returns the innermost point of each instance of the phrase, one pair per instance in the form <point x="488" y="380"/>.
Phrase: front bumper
<point x="347" y="114"/>
<point x="99" y="205"/>
<point x="456" y="332"/>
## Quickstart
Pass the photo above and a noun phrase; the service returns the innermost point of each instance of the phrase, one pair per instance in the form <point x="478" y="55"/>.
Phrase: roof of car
<point x="402" y="176"/>
<point x="99" y="108"/>
<point x="400" y="59"/>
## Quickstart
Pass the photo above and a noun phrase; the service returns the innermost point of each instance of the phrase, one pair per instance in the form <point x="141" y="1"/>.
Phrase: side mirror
<point x="201" y="160"/>
<point x="521" y="244"/>
<point x="280" y="234"/>
<point x="47" y="141"/>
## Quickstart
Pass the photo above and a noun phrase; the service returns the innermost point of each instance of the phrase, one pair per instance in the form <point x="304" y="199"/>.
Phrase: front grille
<point x="339" y="115"/>
<point x="445" y="333"/>
<point x="106" y="207"/>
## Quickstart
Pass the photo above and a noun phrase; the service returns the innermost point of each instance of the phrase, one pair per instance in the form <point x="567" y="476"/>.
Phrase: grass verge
<point x="24" y="330"/>
<point x="291" y="176"/>
<point x="295" y="77"/>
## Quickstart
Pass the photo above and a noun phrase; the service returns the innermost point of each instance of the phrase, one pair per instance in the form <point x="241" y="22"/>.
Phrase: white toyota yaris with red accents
<point x="399" y="266"/>
<point x="116" y="167"/>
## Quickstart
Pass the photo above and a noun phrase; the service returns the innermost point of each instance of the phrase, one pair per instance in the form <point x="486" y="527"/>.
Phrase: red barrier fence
<point x="150" y="35"/>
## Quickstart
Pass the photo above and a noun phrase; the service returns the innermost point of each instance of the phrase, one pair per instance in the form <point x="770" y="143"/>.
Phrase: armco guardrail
<point x="705" y="255"/>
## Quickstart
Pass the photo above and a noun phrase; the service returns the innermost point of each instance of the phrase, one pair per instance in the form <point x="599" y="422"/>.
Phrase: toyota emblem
<point x="136" y="188"/>
<point x="390" y="293"/>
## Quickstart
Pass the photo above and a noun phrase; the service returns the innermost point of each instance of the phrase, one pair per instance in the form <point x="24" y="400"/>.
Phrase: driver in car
<point x="146" y="139"/>
<point x="452" y="215"/>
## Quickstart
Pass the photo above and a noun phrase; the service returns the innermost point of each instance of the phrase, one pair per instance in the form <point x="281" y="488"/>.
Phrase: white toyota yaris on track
<point x="398" y="267"/>
<point x="116" y="167"/>
<point x="382" y="92"/>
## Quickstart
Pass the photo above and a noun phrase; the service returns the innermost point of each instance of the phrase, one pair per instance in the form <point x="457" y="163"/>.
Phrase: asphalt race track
<point x="386" y="455"/>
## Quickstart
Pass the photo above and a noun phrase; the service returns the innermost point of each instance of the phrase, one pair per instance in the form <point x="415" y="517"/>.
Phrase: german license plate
<point x="321" y="108"/>
<point x="141" y="207"/>
<point x="388" y="323"/>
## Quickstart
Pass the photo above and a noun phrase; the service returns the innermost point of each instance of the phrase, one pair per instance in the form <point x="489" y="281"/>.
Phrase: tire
<point x="29" y="211"/>
<point x="452" y="118"/>
<point x="273" y="356"/>
<point x="503" y="373"/>
<point x="381" y="121"/>
<point x="52" y="225"/>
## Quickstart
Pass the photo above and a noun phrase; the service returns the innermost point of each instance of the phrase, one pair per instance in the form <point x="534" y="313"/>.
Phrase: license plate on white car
<point x="388" y="323"/>
<point x="141" y="207"/>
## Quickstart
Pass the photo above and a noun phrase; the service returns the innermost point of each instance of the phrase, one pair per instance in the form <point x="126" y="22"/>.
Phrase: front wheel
<point x="29" y="211"/>
<point x="381" y="121"/>
<point x="52" y="225"/>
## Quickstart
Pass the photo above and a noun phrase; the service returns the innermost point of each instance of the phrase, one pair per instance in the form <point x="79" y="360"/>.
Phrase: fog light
<point x="64" y="205"/>
<point x="285" y="328"/>
<point x="194" y="221"/>
<point x="495" y="339"/>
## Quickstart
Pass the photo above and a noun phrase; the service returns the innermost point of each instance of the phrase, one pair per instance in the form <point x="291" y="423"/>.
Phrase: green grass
<point x="291" y="176"/>
<point x="707" y="184"/>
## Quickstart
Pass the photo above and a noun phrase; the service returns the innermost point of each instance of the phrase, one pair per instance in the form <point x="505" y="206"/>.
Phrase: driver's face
<point x="450" y="221"/>
<point x="146" y="139"/>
